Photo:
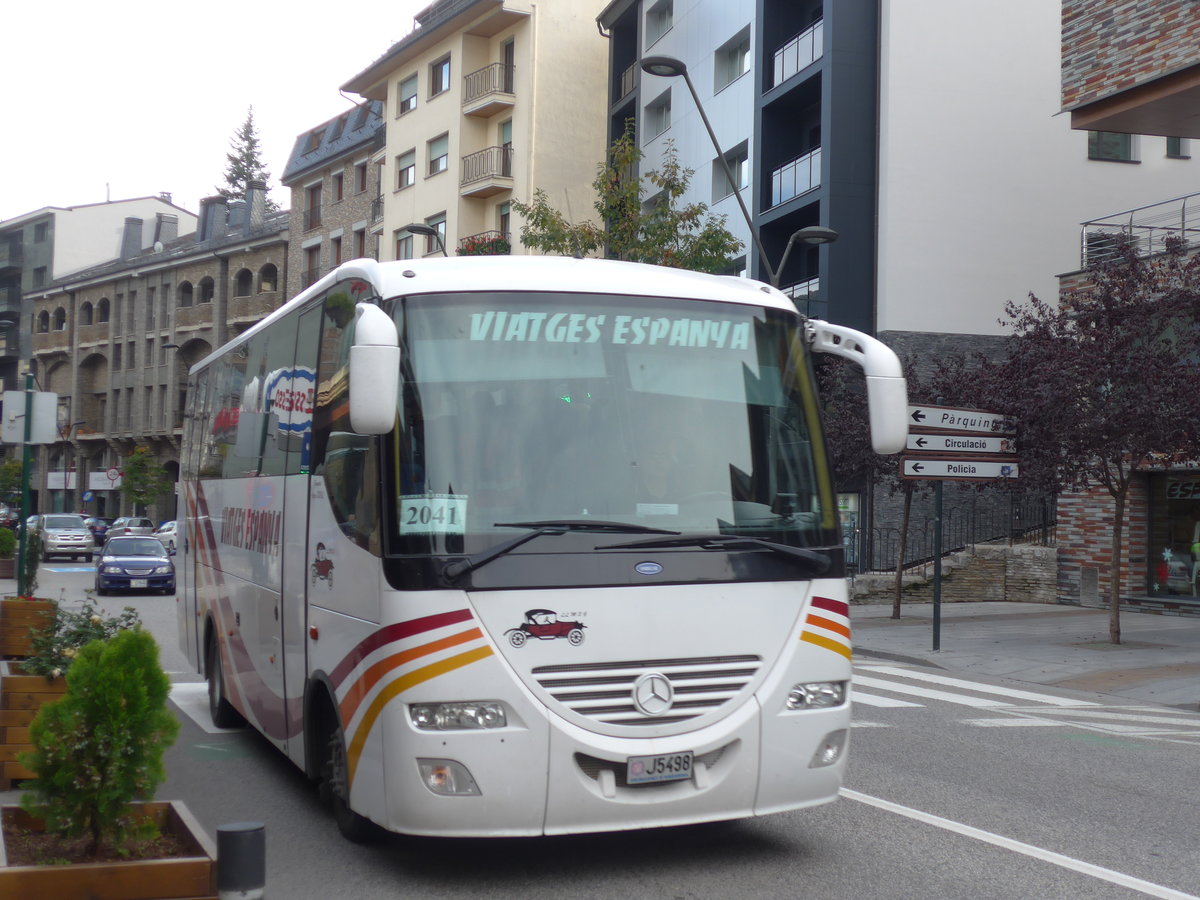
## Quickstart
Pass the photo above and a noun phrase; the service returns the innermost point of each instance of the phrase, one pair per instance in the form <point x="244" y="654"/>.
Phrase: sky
<point x="110" y="101"/>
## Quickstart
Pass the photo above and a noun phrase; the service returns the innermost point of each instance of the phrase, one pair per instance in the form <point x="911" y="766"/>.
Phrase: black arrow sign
<point x="917" y="467"/>
<point x="921" y="442"/>
<point x="918" y="416"/>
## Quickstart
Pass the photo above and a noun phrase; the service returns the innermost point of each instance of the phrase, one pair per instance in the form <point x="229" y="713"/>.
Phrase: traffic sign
<point x="945" y="418"/>
<point x="944" y="442"/>
<point x="959" y="469"/>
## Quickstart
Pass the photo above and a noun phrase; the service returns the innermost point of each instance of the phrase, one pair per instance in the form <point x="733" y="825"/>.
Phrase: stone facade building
<point x="114" y="341"/>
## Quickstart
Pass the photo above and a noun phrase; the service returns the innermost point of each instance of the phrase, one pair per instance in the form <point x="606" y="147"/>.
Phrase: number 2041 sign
<point x="433" y="513"/>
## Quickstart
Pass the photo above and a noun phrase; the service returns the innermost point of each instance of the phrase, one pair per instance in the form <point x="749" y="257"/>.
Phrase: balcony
<point x="486" y="243"/>
<point x="377" y="210"/>
<point x="1145" y="229"/>
<point x="798" y="53"/>
<point x="628" y="82"/>
<point x="12" y="255"/>
<point x="489" y="90"/>
<point x="797" y="177"/>
<point x="487" y="172"/>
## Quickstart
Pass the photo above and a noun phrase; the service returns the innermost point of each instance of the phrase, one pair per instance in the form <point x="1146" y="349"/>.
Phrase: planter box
<point x="156" y="879"/>
<point x="17" y="617"/>
<point x="21" y="696"/>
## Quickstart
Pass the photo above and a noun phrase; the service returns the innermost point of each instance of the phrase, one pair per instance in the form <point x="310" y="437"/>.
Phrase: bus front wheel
<point x="353" y="827"/>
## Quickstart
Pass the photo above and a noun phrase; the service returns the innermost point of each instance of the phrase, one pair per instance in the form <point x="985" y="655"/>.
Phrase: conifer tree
<point x="244" y="162"/>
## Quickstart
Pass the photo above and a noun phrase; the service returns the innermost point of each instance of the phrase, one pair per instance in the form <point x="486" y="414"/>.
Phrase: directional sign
<point x="947" y="418"/>
<point x="958" y="469"/>
<point x="943" y="443"/>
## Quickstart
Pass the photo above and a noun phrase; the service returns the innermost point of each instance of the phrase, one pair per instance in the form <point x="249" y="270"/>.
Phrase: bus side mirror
<point x="887" y="391"/>
<point x="374" y="371"/>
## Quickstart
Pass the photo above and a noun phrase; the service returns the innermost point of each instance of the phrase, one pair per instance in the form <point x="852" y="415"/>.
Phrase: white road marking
<point x="192" y="699"/>
<point x="1040" y="853"/>
<point x="873" y="700"/>
<point x="975" y="686"/>
<point x="929" y="693"/>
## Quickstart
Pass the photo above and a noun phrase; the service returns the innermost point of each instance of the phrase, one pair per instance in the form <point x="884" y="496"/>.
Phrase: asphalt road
<point x="956" y="789"/>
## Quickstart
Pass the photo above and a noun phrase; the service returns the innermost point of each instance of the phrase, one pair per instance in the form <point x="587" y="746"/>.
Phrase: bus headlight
<point x="468" y="714"/>
<point x="830" y="750"/>
<point x="817" y="695"/>
<point x="448" y="778"/>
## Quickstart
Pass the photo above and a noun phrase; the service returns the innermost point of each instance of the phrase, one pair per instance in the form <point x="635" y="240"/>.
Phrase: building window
<point x="360" y="178"/>
<point x="504" y="218"/>
<point x="406" y="170"/>
<point x="43" y="322"/>
<point x="732" y="61"/>
<point x="739" y="163"/>
<point x="244" y="283"/>
<point x="1111" y="145"/>
<point x="437" y="223"/>
<point x="335" y="250"/>
<point x="1177" y="148"/>
<point x="268" y="277"/>
<point x="41" y="232"/>
<point x="312" y="264"/>
<point x="439" y="154"/>
<point x="312" y="206"/>
<point x="659" y="19"/>
<point x="39" y="277"/>
<point x="85" y="314"/>
<point x="658" y="115"/>
<point x="185" y="294"/>
<point x="360" y="243"/>
<point x="337" y="186"/>
<point x="406" y="94"/>
<point x="404" y="245"/>
<point x="207" y="290"/>
<point x="439" y="77"/>
<point x="150" y="301"/>
<point x="102" y="312"/>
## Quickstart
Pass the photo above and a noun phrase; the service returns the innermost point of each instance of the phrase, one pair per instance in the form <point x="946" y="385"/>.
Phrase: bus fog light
<point x="830" y="750"/>
<point x="470" y="714"/>
<point x="447" y="778"/>
<point x="817" y="695"/>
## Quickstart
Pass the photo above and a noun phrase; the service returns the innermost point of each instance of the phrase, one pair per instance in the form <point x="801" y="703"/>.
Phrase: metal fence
<point x="1028" y="521"/>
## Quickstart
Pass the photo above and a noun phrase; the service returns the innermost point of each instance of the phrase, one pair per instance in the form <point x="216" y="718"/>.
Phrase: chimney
<point x="213" y="217"/>
<point x="131" y="238"/>
<point x="166" y="228"/>
<point x="256" y="206"/>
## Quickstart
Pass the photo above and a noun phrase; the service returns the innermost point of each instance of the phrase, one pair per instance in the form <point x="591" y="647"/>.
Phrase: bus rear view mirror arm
<point x="374" y="371"/>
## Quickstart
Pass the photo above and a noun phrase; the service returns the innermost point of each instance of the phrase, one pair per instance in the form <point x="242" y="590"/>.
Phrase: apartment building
<point x="334" y="174"/>
<point x="485" y="101"/>
<point x="40" y="246"/>
<point x="912" y="130"/>
<point x="114" y="341"/>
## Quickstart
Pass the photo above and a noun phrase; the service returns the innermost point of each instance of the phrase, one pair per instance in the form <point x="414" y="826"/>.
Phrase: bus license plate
<point x="138" y="582"/>
<point x="663" y="767"/>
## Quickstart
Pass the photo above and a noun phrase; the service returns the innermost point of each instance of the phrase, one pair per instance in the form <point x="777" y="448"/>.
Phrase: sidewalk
<point x="1158" y="660"/>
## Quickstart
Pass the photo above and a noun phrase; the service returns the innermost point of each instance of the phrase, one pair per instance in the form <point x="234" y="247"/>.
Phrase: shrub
<point x="8" y="543"/>
<point x="56" y="646"/>
<point x="101" y="746"/>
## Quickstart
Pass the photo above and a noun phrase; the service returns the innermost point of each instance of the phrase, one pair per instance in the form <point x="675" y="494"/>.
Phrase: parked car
<point x="127" y="525"/>
<point x="166" y="534"/>
<point x="9" y="517"/>
<point x="134" y="563"/>
<point x="65" y="534"/>
<point x="98" y="525"/>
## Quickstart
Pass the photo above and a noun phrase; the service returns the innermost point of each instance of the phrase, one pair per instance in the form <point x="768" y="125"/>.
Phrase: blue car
<point x="134" y="563"/>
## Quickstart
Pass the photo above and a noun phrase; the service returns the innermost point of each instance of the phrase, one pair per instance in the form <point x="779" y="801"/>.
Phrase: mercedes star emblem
<point x="653" y="694"/>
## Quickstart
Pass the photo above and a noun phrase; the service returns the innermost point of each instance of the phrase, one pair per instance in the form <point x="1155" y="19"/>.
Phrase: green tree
<point x="143" y="479"/>
<point x="664" y="233"/>
<point x="244" y="162"/>
<point x="10" y="479"/>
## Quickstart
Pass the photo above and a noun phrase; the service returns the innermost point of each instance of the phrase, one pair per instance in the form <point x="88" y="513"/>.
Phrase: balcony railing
<point x="628" y="80"/>
<point x="796" y="177"/>
<point x="1145" y="228"/>
<point x="801" y="51"/>
<point x="376" y="209"/>
<point x="488" y="90"/>
<point x="12" y="254"/>
<point x="486" y="243"/>
<point x="490" y="162"/>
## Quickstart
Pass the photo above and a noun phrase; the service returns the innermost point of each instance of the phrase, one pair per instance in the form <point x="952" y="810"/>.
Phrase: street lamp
<point x="670" y="67"/>
<point x="428" y="231"/>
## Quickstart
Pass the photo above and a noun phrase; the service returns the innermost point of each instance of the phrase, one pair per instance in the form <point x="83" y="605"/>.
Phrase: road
<point x="957" y="788"/>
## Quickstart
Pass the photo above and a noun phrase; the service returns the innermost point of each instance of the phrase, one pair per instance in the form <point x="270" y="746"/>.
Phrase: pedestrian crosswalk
<point x="880" y="687"/>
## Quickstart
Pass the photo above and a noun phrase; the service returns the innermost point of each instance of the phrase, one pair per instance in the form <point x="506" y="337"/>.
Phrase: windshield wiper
<point x="820" y="562"/>
<point x="551" y="526"/>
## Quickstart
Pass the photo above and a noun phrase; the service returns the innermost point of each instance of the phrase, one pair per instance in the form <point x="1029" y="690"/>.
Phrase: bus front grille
<point x="604" y="692"/>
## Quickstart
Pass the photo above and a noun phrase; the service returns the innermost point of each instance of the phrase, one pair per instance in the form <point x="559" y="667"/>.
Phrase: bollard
<point x="241" y="861"/>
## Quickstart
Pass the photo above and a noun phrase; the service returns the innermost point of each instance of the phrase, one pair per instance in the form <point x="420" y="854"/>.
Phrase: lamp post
<point x="670" y="67"/>
<point x="428" y="231"/>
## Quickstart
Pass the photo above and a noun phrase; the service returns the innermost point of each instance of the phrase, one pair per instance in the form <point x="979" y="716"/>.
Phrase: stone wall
<point x="1023" y="573"/>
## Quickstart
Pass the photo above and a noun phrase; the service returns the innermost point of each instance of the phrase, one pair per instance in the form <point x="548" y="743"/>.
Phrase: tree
<point x="143" y="479"/>
<point x="665" y="234"/>
<point x="1104" y="385"/>
<point x="244" y="163"/>
<point x="10" y="478"/>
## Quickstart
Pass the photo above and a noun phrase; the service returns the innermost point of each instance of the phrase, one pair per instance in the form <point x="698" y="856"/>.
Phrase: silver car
<point x="127" y="525"/>
<point x="65" y="534"/>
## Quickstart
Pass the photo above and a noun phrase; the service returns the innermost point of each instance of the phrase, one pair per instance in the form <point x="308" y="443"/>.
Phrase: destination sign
<point x="958" y="469"/>
<point x="950" y="419"/>
<point x="941" y="442"/>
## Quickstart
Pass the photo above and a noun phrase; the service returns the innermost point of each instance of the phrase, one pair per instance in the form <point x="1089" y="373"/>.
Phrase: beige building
<point x="337" y="211"/>
<point x="483" y="102"/>
<point x="115" y="341"/>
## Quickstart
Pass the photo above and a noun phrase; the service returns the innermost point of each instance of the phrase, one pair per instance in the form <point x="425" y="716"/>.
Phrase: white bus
<point x="525" y="546"/>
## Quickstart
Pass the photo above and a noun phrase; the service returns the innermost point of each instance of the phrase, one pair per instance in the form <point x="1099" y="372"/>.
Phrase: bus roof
<point x="439" y="275"/>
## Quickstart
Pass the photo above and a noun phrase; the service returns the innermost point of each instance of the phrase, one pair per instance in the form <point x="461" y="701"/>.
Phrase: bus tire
<point x="221" y="710"/>
<point x="336" y="785"/>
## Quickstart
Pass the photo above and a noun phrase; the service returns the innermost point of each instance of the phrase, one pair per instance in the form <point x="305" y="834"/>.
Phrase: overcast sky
<point x="131" y="98"/>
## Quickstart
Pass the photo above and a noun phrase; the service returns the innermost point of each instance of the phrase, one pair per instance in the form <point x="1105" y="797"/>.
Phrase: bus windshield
<point x="653" y="413"/>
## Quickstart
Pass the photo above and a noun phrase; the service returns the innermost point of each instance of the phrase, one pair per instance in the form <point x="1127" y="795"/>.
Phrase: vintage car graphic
<point x="322" y="567"/>
<point x="544" y="624"/>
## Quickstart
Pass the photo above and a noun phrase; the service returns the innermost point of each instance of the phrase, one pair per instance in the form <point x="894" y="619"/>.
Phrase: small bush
<point x="56" y="646"/>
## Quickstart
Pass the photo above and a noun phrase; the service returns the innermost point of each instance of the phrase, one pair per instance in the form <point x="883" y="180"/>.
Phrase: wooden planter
<point x="17" y="617"/>
<point x="21" y="696"/>
<point x="156" y="879"/>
